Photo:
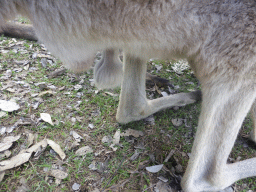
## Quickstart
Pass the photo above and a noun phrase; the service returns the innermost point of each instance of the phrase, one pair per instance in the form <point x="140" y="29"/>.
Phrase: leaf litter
<point x="26" y="154"/>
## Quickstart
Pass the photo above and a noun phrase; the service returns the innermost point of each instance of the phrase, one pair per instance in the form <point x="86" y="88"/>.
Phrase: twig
<point x="169" y="155"/>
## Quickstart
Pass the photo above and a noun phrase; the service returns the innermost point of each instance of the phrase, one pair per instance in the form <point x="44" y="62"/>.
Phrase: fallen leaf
<point x="1" y="175"/>
<point x="40" y="150"/>
<point x="8" y="106"/>
<point x="78" y="87"/>
<point x="15" y="161"/>
<point x="46" y="117"/>
<point x="58" y="174"/>
<point x="93" y="166"/>
<point x="11" y="90"/>
<point x="133" y="133"/>
<point x="76" y="136"/>
<point x="135" y="155"/>
<point x="2" y="130"/>
<point x="35" y="147"/>
<point x="50" y="92"/>
<point x="91" y="126"/>
<point x="26" y="67"/>
<point x="30" y="139"/>
<point x="7" y="142"/>
<point x="76" y="186"/>
<point x="162" y="179"/>
<point x="99" y="152"/>
<point x="111" y="94"/>
<point x="106" y="139"/>
<point x="57" y="181"/>
<point x="155" y="168"/>
<point x="177" y="122"/>
<point x="7" y="153"/>
<point x="3" y="114"/>
<point x="84" y="150"/>
<point x="116" y="137"/>
<point x="112" y="147"/>
<point x="5" y="146"/>
<point x="179" y="66"/>
<point x="74" y="144"/>
<point x="56" y="148"/>
<point x="11" y="139"/>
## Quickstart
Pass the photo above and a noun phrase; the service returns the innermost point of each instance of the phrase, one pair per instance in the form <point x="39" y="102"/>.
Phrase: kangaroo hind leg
<point x="224" y="107"/>
<point x="133" y="104"/>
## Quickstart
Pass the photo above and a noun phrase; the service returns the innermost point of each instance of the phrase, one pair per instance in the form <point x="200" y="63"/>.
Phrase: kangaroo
<point x="217" y="37"/>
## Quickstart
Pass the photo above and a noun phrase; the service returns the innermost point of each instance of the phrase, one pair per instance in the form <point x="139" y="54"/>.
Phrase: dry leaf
<point x="76" y="186"/>
<point x="58" y="174"/>
<point x="50" y="92"/>
<point x="15" y="161"/>
<point x="56" y="148"/>
<point x="106" y="139"/>
<point x="177" y="122"/>
<point x="116" y="137"/>
<point x="7" y="142"/>
<point x="57" y="181"/>
<point x="2" y="176"/>
<point x="24" y="155"/>
<point x="11" y="139"/>
<point x="112" y="147"/>
<point x="3" y="114"/>
<point x="37" y="146"/>
<point x="111" y="94"/>
<point x="74" y="144"/>
<point x="7" y="153"/>
<point x="46" y="117"/>
<point x="2" y="130"/>
<point x="162" y="179"/>
<point x="11" y="90"/>
<point x="30" y="140"/>
<point x="76" y="136"/>
<point x="5" y="146"/>
<point x="8" y="106"/>
<point x="91" y="126"/>
<point x="26" y="67"/>
<point x="155" y="168"/>
<point x="133" y="133"/>
<point x="84" y="150"/>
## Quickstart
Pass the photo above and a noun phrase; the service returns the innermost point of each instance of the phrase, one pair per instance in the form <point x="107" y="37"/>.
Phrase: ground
<point x="76" y="106"/>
